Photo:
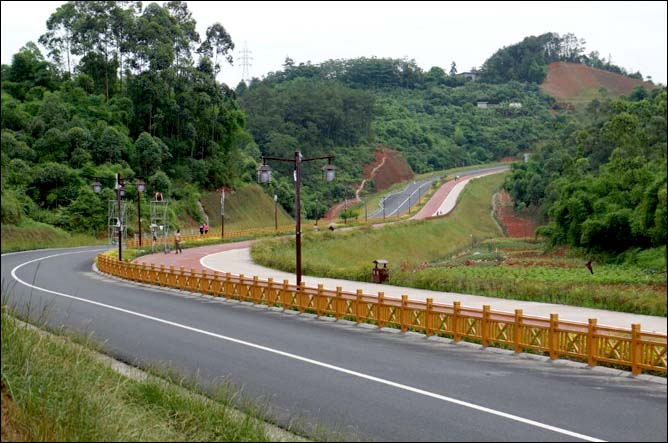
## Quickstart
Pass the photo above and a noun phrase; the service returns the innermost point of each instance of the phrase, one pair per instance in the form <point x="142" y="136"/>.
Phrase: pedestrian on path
<point x="206" y="228"/>
<point x="201" y="229"/>
<point x="177" y="241"/>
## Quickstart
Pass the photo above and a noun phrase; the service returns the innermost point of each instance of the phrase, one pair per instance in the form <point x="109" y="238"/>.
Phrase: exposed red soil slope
<point x="389" y="167"/>
<point x="566" y="81"/>
<point x="514" y="224"/>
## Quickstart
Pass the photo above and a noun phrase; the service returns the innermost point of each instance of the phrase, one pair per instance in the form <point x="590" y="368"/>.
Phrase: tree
<point x="217" y="42"/>
<point x="453" y="69"/>
<point x="59" y="35"/>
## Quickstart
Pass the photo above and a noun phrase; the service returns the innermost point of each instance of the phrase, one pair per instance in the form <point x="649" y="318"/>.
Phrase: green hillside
<point x="246" y="208"/>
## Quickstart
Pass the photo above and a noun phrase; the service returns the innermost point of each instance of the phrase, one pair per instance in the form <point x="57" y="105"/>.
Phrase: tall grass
<point x="60" y="392"/>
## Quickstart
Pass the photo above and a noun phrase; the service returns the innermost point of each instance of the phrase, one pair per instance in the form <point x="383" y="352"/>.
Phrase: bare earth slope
<point x="576" y="84"/>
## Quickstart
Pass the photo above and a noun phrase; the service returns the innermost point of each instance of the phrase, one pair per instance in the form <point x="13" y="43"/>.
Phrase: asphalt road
<point x="399" y="203"/>
<point x="357" y="381"/>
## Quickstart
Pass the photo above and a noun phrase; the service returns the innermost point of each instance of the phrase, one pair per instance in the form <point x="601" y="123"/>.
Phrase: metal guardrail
<point x="594" y="344"/>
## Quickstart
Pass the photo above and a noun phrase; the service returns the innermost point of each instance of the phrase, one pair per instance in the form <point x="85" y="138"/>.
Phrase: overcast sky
<point x="431" y="33"/>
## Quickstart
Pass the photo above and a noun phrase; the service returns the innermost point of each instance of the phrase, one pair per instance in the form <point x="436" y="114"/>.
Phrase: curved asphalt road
<point x="364" y="383"/>
<point x="399" y="202"/>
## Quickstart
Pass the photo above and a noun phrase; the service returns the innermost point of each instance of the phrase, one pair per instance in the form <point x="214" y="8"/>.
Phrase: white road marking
<point x="305" y="359"/>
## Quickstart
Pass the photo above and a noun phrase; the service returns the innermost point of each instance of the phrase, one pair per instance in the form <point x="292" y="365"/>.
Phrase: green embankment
<point x="246" y="208"/>
<point x="29" y="234"/>
<point x="349" y="254"/>
<point x="56" y="391"/>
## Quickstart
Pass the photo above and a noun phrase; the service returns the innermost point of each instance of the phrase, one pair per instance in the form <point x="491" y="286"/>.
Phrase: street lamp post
<point x="264" y="176"/>
<point x="276" y="212"/>
<point x="317" y="211"/>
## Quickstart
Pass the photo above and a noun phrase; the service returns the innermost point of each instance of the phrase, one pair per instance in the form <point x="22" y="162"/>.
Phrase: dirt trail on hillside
<point x="388" y="167"/>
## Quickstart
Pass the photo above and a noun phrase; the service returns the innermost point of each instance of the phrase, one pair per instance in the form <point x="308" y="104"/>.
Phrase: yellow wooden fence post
<point x="457" y="307"/>
<point x="256" y="290"/>
<point x="182" y="277"/>
<point x="284" y="293"/>
<point x="404" y="313"/>
<point x="636" y="349"/>
<point x="194" y="283"/>
<point x="318" y="300"/>
<point x="517" y="331"/>
<point x="485" y="326"/>
<point x="271" y="293"/>
<point x="203" y="282"/>
<point x="241" y="288"/>
<point x="172" y="277"/>
<point x="553" y="336"/>
<point x="380" y="310"/>
<point x="227" y="292"/>
<point x="428" y="320"/>
<point x="358" y="306"/>
<point x="592" y="342"/>
<point x="302" y="299"/>
<point x="339" y="303"/>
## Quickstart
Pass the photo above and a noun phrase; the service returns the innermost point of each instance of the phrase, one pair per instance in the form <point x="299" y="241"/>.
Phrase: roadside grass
<point x="29" y="234"/>
<point x="350" y="254"/>
<point x="55" y="390"/>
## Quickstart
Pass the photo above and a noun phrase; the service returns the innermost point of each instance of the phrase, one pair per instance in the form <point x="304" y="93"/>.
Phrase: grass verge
<point x="54" y="390"/>
<point x="30" y="234"/>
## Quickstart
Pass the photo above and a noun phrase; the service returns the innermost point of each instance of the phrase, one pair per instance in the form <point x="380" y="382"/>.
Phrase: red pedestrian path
<point x="190" y="258"/>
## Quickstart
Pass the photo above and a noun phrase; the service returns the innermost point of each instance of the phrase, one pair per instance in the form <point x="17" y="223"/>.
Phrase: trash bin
<point x="380" y="275"/>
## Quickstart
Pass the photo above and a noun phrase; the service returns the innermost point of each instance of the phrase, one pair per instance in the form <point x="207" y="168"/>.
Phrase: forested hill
<point x="121" y="87"/>
<point x="125" y="89"/>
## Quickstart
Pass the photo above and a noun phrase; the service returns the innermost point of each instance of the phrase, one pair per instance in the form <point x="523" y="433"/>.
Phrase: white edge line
<point x="306" y="360"/>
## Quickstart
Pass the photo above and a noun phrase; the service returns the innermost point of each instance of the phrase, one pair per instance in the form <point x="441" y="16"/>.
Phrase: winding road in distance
<point x="354" y="380"/>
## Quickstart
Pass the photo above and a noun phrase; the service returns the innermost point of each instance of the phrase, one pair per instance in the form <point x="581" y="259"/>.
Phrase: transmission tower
<point x="245" y="64"/>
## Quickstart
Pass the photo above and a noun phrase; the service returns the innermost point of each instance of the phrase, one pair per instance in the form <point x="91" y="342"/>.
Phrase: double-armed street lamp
<point x="264" y="176"/>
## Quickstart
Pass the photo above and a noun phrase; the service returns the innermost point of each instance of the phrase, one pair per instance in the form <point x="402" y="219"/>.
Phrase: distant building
<point x="471" y="75"/>
<point x="527" y="155"/>
<point x="483" y="105"/>
<point x="515" y="105"/>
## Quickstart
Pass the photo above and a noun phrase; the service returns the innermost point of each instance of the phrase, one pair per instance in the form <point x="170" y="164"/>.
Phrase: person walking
<point x="206" y="228"/>
<point x="201" y="229"/>
<point x="177" y="241"/>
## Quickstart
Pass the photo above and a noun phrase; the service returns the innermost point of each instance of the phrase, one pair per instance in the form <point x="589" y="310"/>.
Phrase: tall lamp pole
<point x="264" y="176"/>
<point x="276" y="212"/>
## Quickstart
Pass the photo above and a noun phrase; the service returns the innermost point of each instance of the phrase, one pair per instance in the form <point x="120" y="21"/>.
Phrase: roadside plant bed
<point x="524" y="270"/>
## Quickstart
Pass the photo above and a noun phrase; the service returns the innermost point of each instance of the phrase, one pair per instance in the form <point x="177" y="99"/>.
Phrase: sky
<point x="634" y="33"/>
